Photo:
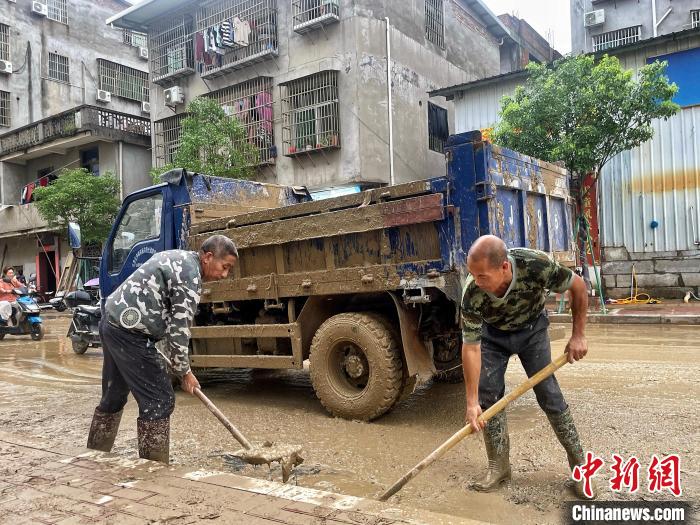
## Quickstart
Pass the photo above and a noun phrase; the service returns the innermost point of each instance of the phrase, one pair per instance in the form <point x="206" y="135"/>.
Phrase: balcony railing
<point x="99" y="121"/>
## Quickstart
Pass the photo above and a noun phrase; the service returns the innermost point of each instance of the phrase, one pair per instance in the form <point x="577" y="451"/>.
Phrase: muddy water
<point x="636" y="393"/>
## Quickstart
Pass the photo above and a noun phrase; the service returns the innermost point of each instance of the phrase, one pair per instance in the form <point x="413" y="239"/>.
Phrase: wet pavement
<point x="636" y="394"/>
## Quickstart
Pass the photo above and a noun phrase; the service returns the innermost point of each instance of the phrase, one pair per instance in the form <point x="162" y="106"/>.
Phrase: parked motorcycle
<point x="84" y="328"/>
<point x="25" y="318"/>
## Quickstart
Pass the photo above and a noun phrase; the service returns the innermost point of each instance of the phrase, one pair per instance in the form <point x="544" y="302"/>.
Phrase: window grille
<point x="257" y="41"/>
<point x="438" y="130"/>
<point x="171" y="50"/>
<point x="123" y="81"/>
<point x="310" y="14"/>
<point x="619" y="37"/>
<point x="58" y="67"/>
<point x="4" y="42"/>
<point x="5" y="119"/>
<point x="251" y="103"/>
<point x="134" y="38"/>
<point x="434" y="22"/>
<point x="167" y="134"/>
<point x="695" y="19"/>
<point x="57" y="10"/>
<point x="310" y="113"/>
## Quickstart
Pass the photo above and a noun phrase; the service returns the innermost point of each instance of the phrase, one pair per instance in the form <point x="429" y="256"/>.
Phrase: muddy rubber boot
<point x="565" y="429"/>
<point x="154" y="439"/>
<point x="103" y="430"/>
<point x="498" y="451"/>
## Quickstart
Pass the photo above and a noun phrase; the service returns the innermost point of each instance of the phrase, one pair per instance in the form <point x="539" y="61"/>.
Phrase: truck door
<point x="138" y="233"/>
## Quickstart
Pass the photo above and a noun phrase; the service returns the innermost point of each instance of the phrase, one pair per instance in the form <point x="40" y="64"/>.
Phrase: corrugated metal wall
<point x="479" y="107"/>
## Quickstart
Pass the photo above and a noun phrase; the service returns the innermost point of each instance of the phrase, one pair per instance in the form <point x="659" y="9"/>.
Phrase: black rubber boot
<point x="565" y="429"/>
<point x="103" y="430"/>
<point x="154" y="439"/>
<point x="498" y="451"/>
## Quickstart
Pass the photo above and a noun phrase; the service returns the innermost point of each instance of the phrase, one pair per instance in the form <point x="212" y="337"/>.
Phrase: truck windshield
<point x="140" y="222"/>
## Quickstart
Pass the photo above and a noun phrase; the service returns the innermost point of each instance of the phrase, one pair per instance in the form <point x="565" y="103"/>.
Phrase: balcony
<point x="80" y="125"/>
<point x="314" y="14"/>
<point x="21" y="220"/>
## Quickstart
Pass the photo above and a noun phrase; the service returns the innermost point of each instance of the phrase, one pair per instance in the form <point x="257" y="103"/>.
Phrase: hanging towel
<point x="241" y="32"/>
<point x="199" y="47"/>
<point x="263" y="102"/>
<point x="227" y="34"/>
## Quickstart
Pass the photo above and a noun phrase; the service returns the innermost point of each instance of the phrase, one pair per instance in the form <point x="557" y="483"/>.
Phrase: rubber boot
<point x="498" y="451"/>
<point x="103" y="430"/>
<point x="154" y="439"/>
<point x="565" y="429"/>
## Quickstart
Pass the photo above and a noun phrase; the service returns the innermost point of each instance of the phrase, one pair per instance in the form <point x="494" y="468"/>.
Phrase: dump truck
<point x="365" y="287"/>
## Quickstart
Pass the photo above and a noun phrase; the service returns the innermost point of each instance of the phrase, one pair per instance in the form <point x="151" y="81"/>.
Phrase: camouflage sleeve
<point x="470" y="317"/>
<point x="557" y="278"/>
<point x="185" y="288"/>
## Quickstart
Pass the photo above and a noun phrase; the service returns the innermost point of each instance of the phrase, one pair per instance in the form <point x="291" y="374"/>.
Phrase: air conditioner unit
<point x="174" y="96"/>
<point x="594" y="18"/>
<point x="40" y="9"/>
<point x="5" y="67"/>
<point x="143" y="52"/>
<point x="145" y="107"/>
<point x="104" y="96"/>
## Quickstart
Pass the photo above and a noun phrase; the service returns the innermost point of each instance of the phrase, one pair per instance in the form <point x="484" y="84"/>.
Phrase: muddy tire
<point x="448" y="360"/>
<point x="355" y="364"/>
<point x="80" y="347"/>
<point x="37" y="332"/>
<point x="2" y="336"/>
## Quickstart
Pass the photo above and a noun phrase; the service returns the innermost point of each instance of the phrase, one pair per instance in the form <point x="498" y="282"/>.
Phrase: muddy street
<point x="635" y="394"/>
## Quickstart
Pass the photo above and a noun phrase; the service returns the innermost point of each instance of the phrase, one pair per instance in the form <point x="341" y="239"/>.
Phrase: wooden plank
<point x="355" y="220"/>
<point x="314" y="207"/>
<point x="243" y="330"/>
<point x="245" y="361"/>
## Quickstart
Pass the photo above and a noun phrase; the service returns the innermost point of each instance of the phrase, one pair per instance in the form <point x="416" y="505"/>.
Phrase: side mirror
<point x="74" y="235"/>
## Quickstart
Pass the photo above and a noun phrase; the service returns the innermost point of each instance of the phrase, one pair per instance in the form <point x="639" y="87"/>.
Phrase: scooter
<point x="84" y="328"/>
<point x="25" y="319"/>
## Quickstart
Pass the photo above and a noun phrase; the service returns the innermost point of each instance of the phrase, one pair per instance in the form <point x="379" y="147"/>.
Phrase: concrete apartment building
<point x="72" y="94"/>
<point x="308" y="78"/>
<point x="598" y="25"/>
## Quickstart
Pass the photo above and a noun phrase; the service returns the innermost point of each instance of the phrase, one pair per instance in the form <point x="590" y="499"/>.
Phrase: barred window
<point x="58" y="67"/>
<point x="58" y="10"/>
<point x="123" y="81"/>
<point x="619" y="37"/>
<point x="4" y="42"/>
<point x="171" y="50"/>
<point x="438" y="128"/>
<point x="167" y="133"/>
<point x="251" y="103"/>
<point x="310" y="14"/>
<point x="5" y="119"/>
<point x="310" y="113"/>
<point x="134" y="38"/>
<point x="695" y="18"/>
<point x="434" y="22"/>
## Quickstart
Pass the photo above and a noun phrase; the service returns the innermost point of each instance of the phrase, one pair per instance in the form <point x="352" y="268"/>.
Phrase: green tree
<point x="212" y="143"/>
<point x="79" y="196"/>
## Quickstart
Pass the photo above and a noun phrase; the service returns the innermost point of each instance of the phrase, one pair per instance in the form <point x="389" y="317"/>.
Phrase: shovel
<point x="288" y="456"/>
<point x="466" y="430"/>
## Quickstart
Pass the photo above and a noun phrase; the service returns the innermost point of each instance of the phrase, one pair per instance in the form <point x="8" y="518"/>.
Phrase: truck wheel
<point x="448" y="360"/>
<point x="2" y="336"/>
<point x="37" y="332"/>
<point x="80" y="346"/>
<point x="356" y="367"/>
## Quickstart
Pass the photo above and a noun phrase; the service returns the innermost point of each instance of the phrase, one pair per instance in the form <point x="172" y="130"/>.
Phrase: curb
<point x="676" y="319"/>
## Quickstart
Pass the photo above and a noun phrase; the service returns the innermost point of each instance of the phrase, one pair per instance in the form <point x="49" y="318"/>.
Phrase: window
<point x="310" y="14"/>
<point x="58" y="67"/>
<point x="167" y="134"/>
<point x="5" y="119"/>
<point x="617" y="38"/>
<point x="123" y="81"/>
<point x="251" y="103"/>
<point x="58" y="10"/>
<point x="134" y="38"/>
<point x="172" y="54"/>
<point x="438" y="128"/>
<point x="434" y="26"/>
<point x="695" y="18"/>
<point x="4" y="42"/>
<point x="310" y="113"/>
<point x="140" y="222"/>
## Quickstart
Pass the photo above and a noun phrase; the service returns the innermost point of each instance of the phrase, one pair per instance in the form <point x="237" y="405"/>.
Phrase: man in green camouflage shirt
<point x="503" y="314"/>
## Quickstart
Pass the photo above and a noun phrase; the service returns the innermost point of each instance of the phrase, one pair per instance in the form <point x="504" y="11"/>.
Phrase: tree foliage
<point x="583" y="113"/>
<point x="79" y="196"/>
<point x="212" y="143"/>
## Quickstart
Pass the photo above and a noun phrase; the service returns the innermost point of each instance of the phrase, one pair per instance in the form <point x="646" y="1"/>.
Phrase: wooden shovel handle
<point x="466" y="430"/>
<point x="224" y="420"/>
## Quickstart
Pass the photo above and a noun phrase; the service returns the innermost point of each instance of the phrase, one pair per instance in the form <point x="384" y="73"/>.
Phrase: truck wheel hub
<point x="354" y="366"/>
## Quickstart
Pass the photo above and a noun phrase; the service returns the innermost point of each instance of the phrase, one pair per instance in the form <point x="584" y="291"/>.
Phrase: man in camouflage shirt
<point x="503" y="314"/>
<point x="157" y="303"/>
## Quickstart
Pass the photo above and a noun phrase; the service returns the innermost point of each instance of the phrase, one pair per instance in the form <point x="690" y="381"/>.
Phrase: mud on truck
<point x="366" y="286"/>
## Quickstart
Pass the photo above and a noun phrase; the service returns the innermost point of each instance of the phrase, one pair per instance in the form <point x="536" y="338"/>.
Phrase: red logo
<point x="625" y="474"/>
<point x="665" y="474"/>
<point x="586" y="471"/>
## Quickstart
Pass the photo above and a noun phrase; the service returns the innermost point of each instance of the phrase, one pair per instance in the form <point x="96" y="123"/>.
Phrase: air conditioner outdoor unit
<point x="5" y="67"/>
<point x="174" y="96"/>
<point x="143" y="52"/>
<point x="594" y="18"/>
<point x="40" y="9"/>
<point x="103" y="96"/>
<point x="145" y="107"/>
